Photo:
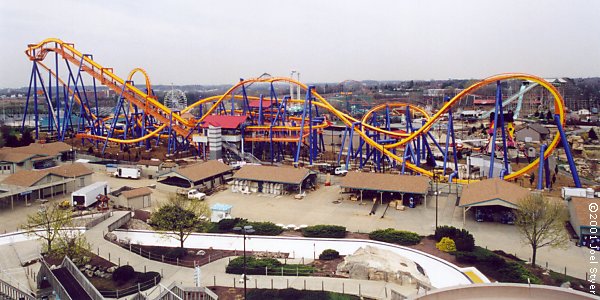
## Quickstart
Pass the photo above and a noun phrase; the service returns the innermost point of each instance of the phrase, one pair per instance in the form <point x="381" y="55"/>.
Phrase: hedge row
<point x="490" y="263"/>
<point x="399" y="237"/>
<point x="262" y="294"/>
<point x="260" y="228"/>
<point x="324" y="231"/>
<point x="257" y="266"/>
<point x="463" y="240"/>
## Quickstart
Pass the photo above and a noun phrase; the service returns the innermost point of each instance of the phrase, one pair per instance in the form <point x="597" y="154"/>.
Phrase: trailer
<point x="568" y="192"/>
<point x="128" y="172"/>
<point x="88" y="195"/>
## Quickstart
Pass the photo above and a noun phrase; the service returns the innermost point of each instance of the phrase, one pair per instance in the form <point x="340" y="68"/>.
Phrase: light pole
<point x="244" y="230"/>
<point x="437" y="192"/>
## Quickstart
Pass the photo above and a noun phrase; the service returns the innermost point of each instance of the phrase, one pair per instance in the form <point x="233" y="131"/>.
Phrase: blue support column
<point x="567" y="149"/>
<point x="28" y="96"/>
<point x="301" y="132"/>
<point x="57" y="98"/>
<point x="493" y="142"/>
<point x="547" y="172"/>
<point x="35" y="102"/>
<point x="342" y="145"/>
<point x="260" y="110"/>
<point x="540" y="178"/>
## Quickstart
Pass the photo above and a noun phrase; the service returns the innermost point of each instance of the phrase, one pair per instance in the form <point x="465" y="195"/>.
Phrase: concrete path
<point x="440" y="272"/>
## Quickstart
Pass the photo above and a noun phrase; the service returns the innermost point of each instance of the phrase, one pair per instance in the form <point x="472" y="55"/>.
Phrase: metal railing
<point x="8" y="290"/>
<point x="137" y="288"/>
<point x="98" y="220"/>
<point x="175" y="261"/>
<point x="83" y="281"/>
<point x="176" y="292"/>
<point x="45" y="273"/>
<point x="118" y="223"/>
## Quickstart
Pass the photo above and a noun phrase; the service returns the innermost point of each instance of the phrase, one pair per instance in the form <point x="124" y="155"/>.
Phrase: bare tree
<point x="179" y="217"/>
<point x="47" y="222"/>
<point x="541" y="222"/>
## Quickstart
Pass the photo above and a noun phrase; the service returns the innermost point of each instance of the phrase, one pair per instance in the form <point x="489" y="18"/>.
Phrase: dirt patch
<point x="194" y="256"/>
<point x="137" y="224"/>
<point x="95" y="260"/>
<point x="228" y="293"/>
<point x="326" y="268"/>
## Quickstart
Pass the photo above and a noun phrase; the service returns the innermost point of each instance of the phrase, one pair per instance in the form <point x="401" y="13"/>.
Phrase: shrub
<point x="391" y="235"/>
<point x="123" y="273"/>
<point x="462" y="238"/>
<point x="517" y="273"/>
<point x="465" y="257"/>
<point x="175" y="253"/>
<point x="256" y="266"/>
<point x="329" y="254"/>
<point x="148" y="277"/>
<point x="253" y="265"/>
<point x="494" y="265"/>
<point x="445" y="231"/>
<point x="464" y="241"/>
<point x="226" y="225"/>
<point x="265" y="228"/>
<point x="446" y="245"/>
<point x="324" y="231"/>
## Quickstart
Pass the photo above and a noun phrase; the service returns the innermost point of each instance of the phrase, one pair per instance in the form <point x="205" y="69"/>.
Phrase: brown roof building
<point x="382" y="182"/>
<point x="137" y="192"/>
<point x="33" y="156"/>
<point x="28" y="185"/>
<point x="286" y="175"/>
<point x="137" y="198"/>
<point x="48" y="149"/>
<point x="196" y="174"/>
<point x="493" y="191"/>
<point x="27" y="178"/>
<point x="583" y="217"/>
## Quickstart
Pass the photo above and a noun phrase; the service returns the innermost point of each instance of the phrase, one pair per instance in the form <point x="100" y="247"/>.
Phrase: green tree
<point x="47" y="223"/>
<point x="71" y="243"/>
<point x="541" y="222"/>
<point x="26" y="137"/>
<point x="179" y="217"/>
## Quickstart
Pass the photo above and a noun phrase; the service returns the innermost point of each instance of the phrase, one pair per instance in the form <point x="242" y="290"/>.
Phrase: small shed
<point x="583" y="218"/>
<point x="149" y="167"/>
<point x="136" y="198"/>
<point x="219" y="212"/>
<point x="532" y="133"/>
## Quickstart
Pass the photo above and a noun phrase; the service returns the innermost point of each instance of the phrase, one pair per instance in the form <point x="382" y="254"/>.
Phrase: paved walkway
<point x="214" y="273"/>
<point x="440" y="272"/>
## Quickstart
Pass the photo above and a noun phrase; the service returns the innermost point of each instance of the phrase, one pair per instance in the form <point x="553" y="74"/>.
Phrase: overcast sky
<point x="218" y="42"/>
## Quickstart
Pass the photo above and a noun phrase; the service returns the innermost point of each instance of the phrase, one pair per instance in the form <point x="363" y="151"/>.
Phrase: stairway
<point x="248" y="157"/>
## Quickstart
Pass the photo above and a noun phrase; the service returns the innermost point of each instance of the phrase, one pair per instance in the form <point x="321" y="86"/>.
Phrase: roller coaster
<point x="140" y="120"/>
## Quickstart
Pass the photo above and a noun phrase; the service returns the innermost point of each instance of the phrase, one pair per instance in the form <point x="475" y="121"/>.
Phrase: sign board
<point x="25" y="193"/>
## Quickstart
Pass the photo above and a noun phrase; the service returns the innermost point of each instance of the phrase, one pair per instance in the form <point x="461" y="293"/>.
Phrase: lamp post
<point x="244" y="230"/>
<point x="437" y="192"/>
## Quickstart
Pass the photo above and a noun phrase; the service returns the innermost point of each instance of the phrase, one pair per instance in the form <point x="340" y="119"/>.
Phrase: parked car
<point x="196" y="194"/>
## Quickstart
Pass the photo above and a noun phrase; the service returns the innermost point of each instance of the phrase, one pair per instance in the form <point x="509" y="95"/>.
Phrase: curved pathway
<point x="440" y="272"/>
